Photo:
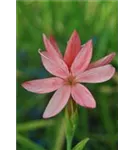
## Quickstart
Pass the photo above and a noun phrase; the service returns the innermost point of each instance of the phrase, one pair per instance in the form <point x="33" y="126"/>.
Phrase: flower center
<point x="71" y="80"/>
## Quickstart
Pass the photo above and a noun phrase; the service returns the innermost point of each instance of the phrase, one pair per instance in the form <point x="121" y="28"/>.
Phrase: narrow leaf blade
<point x="25" y="142"/>
<point x="81" y="144"/>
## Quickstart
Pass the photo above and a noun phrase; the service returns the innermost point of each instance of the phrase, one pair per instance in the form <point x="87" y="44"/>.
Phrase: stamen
<point x="70" y="80"/>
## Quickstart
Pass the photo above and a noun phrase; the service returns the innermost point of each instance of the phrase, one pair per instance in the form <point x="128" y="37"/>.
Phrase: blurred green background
<point x="96" y="20"/>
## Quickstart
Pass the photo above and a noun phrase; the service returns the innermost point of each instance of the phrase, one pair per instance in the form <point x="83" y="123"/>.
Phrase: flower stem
<point x="69" y="143"/>
<point x="71" y="117"/>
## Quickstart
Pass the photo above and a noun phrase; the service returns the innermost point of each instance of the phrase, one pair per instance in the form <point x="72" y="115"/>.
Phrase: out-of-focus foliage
<point x="97" y="20"/>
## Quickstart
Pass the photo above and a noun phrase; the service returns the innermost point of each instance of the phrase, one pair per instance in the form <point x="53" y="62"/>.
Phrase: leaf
<point x="27" y="143"/>
<point x="81" y="144"/>
<point x="32" y="125"/>
<point x="60" y="134"/>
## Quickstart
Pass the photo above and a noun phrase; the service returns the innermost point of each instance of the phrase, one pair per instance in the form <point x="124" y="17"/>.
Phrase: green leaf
<point x="27" y="143"/>
<point x="33" y="125"/>
<point x="81" y="144"/>
<point x="60" y="134"/>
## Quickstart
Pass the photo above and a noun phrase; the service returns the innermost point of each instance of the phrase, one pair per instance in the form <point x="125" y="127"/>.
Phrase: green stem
<point x="71" y="117"/>
<point x="69" y="143"/>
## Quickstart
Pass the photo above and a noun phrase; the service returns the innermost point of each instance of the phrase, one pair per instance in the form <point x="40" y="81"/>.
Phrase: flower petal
<point x="43" y="85"/>
<point x="54" y="43"/>
<point x="103" y="61"/>
<point x="83" y="58"/>
<point x="57" y="102"/>
<point x="56" y="67"/>
<point x="73" y="47"/>
<point x="50" y="48"/>
<point x="97" y="75"/>
<point x="82" y="96"/>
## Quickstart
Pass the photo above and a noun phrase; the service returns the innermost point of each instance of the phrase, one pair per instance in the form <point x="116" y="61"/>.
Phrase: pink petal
<point x="83" y="58"/>
<point x="54" y="43"/>
<point x="73" y="47"/>
<point x="103" y="61"/>
<point x="56" y="67"/>
<point x="43" y="85"/>
<point x="57" y="102"/>
<point x="97" y="75"/>
<point x="82" y="96"/>
<point x="50" y="48"/>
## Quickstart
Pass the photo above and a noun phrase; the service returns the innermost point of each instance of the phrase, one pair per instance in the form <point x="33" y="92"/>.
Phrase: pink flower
<point x="69" y="72"/>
